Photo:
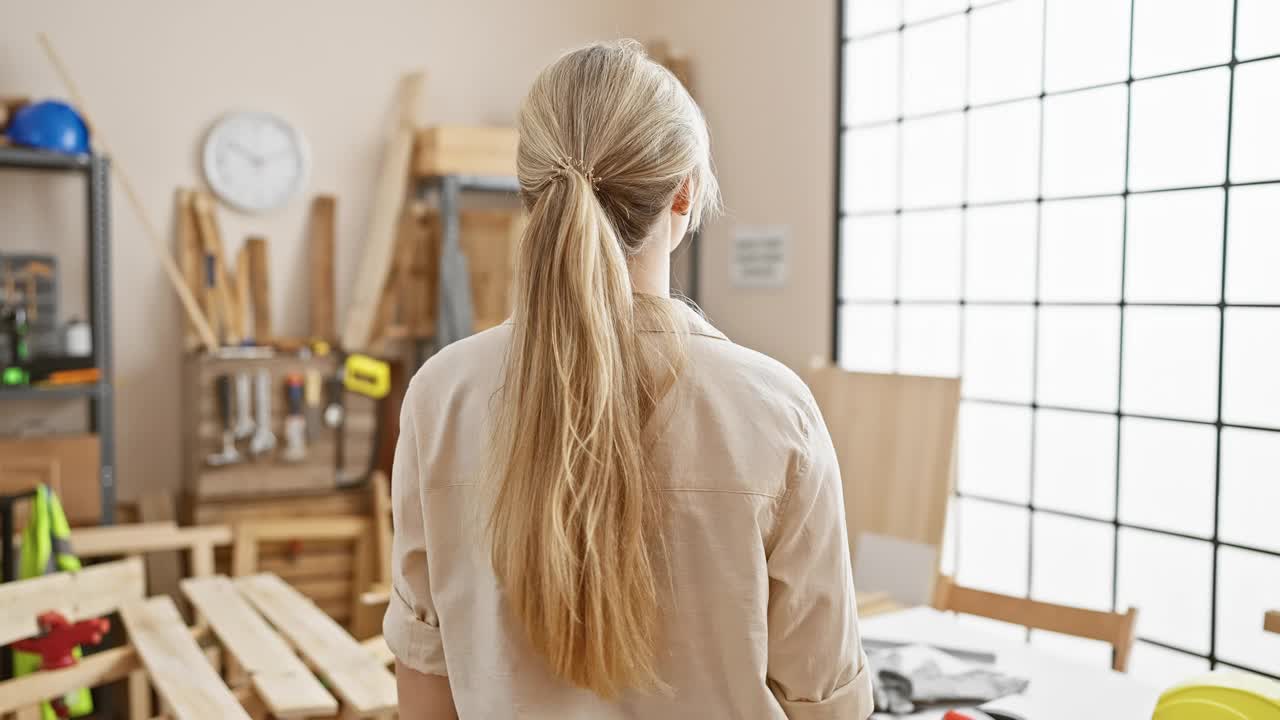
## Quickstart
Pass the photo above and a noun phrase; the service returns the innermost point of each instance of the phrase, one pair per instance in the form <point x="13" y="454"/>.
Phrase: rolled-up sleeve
<point x="410" y="627"/>
<point x="817" y="669"/>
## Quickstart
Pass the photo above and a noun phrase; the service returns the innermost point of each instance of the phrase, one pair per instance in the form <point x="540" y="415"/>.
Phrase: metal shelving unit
<point x="95" y="169"/>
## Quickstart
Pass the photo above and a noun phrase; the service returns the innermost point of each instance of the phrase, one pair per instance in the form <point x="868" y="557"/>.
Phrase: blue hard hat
<point x="50" y="125"/>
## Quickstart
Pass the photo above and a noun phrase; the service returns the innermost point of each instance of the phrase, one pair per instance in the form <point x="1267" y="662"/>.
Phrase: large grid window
<point x="1074" y="205"/>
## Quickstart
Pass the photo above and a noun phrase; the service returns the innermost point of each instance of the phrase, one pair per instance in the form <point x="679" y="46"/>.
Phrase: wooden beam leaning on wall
<point x="320" y="257"/>
<point x="101" y="146"/>
<point x="378" y="249"/>
<point x="191" y="258"/>
<point x="259" y="288"/>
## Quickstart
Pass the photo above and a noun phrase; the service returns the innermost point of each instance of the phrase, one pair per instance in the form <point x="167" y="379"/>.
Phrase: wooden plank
<point x="1271" y="621"/>
<point x="895" y="437"/>
<point x="178" y="668"/>
<point x="93" y="670"/>
<point x="164" y="567"/>
<point x="189" y="258"/>
<point x="351" y="671"/>
<point x="320" y="258"/>
<point x="450" y="150"/>
<point x="240" y="285"/>
<point x="211" y="243"/>
<point x="260" y="288"/>
<point x="96" y="590"/>
<point x="77" y="457"/>
<point x="284" y="683"/>
<point x="145" y="537"/>
<point x="380" y="238"/>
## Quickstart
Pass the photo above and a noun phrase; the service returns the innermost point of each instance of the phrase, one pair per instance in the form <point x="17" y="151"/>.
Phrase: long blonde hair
<point x="607" y="139"/>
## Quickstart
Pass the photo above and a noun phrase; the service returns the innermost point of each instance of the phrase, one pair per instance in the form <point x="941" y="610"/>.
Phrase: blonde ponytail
<point x="607" y="139"/>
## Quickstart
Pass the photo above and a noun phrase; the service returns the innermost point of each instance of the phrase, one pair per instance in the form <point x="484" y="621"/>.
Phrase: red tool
<point x="57" y="640"/>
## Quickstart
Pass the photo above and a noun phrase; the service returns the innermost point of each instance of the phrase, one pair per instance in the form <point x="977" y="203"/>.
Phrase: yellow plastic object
<point x="367" y="376"/>
<point x="1221" y="695"/>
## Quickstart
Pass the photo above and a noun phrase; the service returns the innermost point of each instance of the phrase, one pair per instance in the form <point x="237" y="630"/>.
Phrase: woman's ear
<point x="680" y="205"/>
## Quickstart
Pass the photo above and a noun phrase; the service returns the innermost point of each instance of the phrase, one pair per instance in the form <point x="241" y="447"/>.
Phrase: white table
<point x="1060" y="688"/>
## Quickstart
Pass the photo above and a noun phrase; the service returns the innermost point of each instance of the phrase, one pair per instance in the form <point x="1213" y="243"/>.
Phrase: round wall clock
<point x="255" y="161"/>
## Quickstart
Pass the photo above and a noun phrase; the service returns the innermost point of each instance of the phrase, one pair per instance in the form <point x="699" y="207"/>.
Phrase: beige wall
<point x="155" y="74"/>
<point x="764" y="72"/>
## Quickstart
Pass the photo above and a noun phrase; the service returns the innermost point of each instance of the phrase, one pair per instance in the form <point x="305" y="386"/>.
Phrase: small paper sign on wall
<point x="759" y="257"/>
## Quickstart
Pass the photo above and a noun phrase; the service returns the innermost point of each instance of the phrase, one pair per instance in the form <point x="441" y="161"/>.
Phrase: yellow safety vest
<point x="46" y="548"/>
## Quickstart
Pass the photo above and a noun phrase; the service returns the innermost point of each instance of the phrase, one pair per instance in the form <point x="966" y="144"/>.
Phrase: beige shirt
<point x="762" y="623"/>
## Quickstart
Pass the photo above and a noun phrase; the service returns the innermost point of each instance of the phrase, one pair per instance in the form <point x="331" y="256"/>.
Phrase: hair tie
<point x="566" y="164"/>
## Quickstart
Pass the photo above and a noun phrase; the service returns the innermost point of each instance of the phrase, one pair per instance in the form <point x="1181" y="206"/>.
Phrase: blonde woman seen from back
<point x="603" y="508"/>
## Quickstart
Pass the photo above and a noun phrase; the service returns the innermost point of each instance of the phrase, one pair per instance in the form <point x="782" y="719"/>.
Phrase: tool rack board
<point x="269" y="475"/>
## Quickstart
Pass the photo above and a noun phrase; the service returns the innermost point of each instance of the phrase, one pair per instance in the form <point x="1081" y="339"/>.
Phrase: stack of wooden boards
<point x="284" y="658"/>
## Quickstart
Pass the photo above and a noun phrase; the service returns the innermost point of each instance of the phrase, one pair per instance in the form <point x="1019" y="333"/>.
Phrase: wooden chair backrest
<point x="895" y="438"/>
<point x="1117" y="629"/>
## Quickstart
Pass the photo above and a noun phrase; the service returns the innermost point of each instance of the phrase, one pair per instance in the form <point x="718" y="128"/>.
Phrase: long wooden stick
<point x="166" y="260"/>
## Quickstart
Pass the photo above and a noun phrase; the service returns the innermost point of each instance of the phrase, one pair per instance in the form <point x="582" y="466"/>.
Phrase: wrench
<point x="244" y="420"/>
<point x="263" y="440"/>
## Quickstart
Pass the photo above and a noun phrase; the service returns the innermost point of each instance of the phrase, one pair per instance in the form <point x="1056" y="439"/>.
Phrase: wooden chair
<point x="895" y="437"/>
<point x="1117" y="629"/>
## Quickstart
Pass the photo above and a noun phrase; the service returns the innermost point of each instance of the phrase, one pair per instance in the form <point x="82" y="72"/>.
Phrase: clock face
<point x="255" y="161"/>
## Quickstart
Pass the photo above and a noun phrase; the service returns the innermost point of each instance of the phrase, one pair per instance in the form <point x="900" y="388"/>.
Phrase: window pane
<point x="1175" y="247"/>
<point x="1258" y="28"/>
<point x="1250" y="491"/>
<point x="1166" y="475"/>
<point x="995" y="454"/>
<point x="914" y="10"/>
<point x="929" y="340"/>
<point x="1080" y="250"/>
<point x="1179" y="34"/>
<point x="1078" y="357"/>
<point x="933" y="161"/>
<point x="993" y="547"/>
<point x="1087" y="43"/>
<point x="931" y="255"/>
<point x="1005" y="50"/>
<point x="1084" y="140"/>
<point x="866" y="338"/>
<point x="1171" y="362"/>
<point x="1248" y="586"/>
<point x="1179" y="130"/>
<point x="1076" y="463"/>
<point x="1251" y="367"/>
<point x="871" y="169"/>
<point x="1168" y="580"/>
<point x="864" y="16"/>
<point x="1000" y="253"/>
<point x="998" y="342"/>
<point x="868" y="257"/>
<point x="1004" y="143"/>
<point x="1072" y="561"/>
<point x="933" y="66"/>
<point x="1255" y="145"/>
<point x="1253" y="244"/>
<point x="871" y="77"/>
<point x="1161" y="667"/>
